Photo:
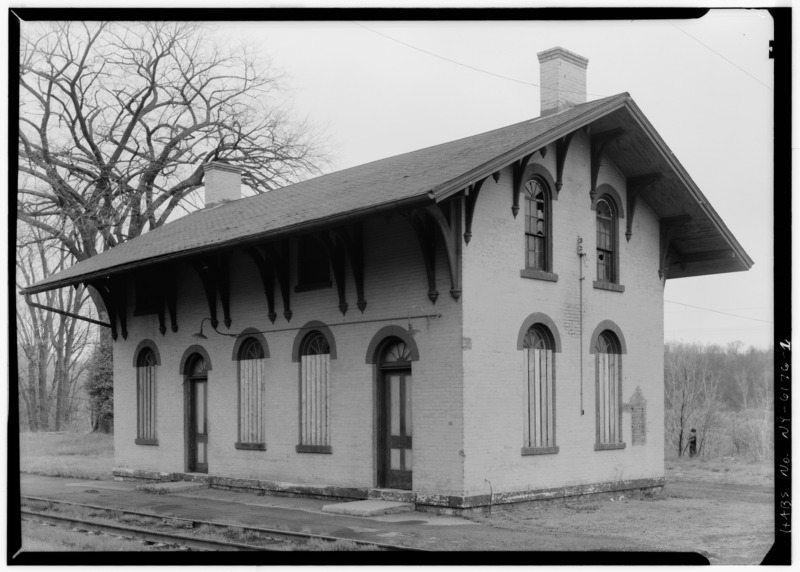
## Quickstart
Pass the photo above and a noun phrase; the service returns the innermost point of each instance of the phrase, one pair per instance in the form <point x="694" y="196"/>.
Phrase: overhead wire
<point x="741" y="69"/>
<point x="413" y="47"/>
<point x="718" y="311"/>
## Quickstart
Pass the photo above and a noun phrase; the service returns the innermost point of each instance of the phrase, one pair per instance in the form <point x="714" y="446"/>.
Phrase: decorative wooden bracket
<point x="354" y="246"/>
<point x="162" y="325"/>
<point x="450" y="230"/>
<point x="102" y="287"/>
<point x="543" y="151"/>
<point x="171" y="298"/>
<point x="336" y="254"/>
<point x="222" y="268"/>
<point x="636" y="186"/>
<point x="426" y="236"/>
<point x="598" y="145"/>
<point x="205" y="272"/>
<point x="519" y="173"/>
<point x="119" y="294"/>
<point x="267" y="274"/>
<point x="279" y="256"/>
<point x="562" y="148"/>
<point x="667" y="227"/>
<point x="496" y="176"/>
<point x="470" y="198"/>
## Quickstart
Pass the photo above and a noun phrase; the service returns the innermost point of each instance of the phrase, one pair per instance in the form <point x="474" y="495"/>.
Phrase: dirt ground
<point x="727" y="516"/>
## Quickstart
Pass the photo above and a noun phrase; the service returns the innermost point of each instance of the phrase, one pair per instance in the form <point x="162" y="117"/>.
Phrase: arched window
<point x="315" y="361"/>
<point x="606" y="241"/>
<point x="608" y="371"/>
<point x="251" y="395"/>
<point x="540" y="390"/>
<point x="537" y="225"/>
<point x="146" y="363"/>
<point x="396" y="354"/>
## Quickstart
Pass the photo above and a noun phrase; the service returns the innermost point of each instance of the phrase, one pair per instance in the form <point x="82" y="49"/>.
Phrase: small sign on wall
<point x="637" y="407"/>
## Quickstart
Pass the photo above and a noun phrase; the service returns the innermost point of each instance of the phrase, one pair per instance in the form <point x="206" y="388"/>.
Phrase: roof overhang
<point x="702" y="245"/>
<point x="306" y="227"/>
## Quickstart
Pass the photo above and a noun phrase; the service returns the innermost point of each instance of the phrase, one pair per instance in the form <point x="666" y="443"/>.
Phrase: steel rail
<point x="134" y="532"/>
<point x="277" y="534"/>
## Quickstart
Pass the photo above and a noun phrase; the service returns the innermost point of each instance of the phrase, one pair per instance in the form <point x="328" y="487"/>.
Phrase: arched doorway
<point x="197" y="419"/>
<point x="394" y="415"/>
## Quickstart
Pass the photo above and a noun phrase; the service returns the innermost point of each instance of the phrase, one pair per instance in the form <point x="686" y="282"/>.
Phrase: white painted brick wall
<point x="464" y="432"/>
<point x="437" y="409"/>
<point x="496" y="300"/>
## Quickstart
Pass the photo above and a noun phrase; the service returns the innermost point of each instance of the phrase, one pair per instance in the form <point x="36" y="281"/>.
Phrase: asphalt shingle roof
<point x="371" y="185"/>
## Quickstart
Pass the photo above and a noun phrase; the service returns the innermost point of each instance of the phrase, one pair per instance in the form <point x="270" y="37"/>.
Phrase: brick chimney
<point x="562" y="79"/>
<point x="223" y="183"/>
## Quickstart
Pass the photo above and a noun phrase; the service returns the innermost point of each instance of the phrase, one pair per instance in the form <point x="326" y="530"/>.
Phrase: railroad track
<point x="268" y="539"/>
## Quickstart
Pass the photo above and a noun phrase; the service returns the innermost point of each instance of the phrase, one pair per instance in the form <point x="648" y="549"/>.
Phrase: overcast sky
<point x="377" y="89"/>
<point x="383" y="88"/>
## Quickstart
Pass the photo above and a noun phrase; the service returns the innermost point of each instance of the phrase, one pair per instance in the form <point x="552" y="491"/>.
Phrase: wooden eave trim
<point x="445" y="190"/>
<point x="687" y="181"/>
<point x="253" y="239"/>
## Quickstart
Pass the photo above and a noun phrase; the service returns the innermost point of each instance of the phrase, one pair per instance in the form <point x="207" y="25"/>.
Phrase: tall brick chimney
<point x="223" y="183"/>
<point x="562" y="78"/>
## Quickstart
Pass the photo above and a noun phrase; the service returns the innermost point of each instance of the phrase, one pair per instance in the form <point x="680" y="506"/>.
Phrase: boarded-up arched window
<point x="146" y="364"/>
<point x="315" y="361"/>
<point x="608" y="365"/>
<point x="540" y="399"/>
<point x="251" y="395"/>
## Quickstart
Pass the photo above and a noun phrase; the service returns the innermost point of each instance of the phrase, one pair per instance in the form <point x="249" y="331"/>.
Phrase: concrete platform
<point x="368" y="508"/>
<point x="178" y="486"/>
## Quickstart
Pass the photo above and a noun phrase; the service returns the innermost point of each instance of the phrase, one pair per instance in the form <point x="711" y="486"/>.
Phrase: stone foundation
<point x="438" y="504"/>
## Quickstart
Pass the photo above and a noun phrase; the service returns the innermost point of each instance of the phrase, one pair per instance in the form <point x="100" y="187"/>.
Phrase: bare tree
<point x="117" y="121"/>
<point x="691" y="394"/>
<point x="52" y="345"/>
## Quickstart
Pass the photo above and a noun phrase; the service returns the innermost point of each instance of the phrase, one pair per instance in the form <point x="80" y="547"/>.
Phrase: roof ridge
<point x="419" y="150"/>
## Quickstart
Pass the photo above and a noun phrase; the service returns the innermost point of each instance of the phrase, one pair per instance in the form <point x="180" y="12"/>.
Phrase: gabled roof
<point x="422" y="176"/>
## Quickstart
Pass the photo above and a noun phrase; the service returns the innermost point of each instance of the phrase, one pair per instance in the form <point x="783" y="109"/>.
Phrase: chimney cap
<point x="221" y="165"/>
<point x="559" y="52"/>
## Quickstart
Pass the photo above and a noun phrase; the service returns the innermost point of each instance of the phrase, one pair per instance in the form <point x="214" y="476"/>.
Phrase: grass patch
<point x="38" y="537"/>
<point x="151" y="490"/>
<point x="337" y="546"/>
<point x="75" y="455"/>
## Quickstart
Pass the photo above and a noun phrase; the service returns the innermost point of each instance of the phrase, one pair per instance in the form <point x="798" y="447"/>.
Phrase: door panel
<point x="397" y="444"/>
<point x="198" y="437"/>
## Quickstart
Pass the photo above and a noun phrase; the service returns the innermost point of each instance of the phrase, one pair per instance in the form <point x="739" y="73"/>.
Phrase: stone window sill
<point x="313" y="286"/>
<point x="324" y="449"/>
<point x="251" y="446"/>
<point x="608" y="446"/>
<point x="535" y="274"/>
<point x="539" y="451"/>
<point x="146" y="441"/>
<point x="610" y="286"/>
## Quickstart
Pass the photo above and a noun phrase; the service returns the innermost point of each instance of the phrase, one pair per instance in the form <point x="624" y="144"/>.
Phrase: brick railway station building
<point x="476" y="322"/>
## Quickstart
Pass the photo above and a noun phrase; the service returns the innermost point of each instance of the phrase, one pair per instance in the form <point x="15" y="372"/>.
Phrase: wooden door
<point x="395" y="451"/>
<point x="198" y="425"/>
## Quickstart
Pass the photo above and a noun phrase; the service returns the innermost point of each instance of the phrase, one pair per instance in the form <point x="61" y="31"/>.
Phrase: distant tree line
<point x="725" y="394"/>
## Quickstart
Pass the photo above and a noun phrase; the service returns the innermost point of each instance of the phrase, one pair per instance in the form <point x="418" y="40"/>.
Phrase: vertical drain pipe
<point x="581" y="254"/>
